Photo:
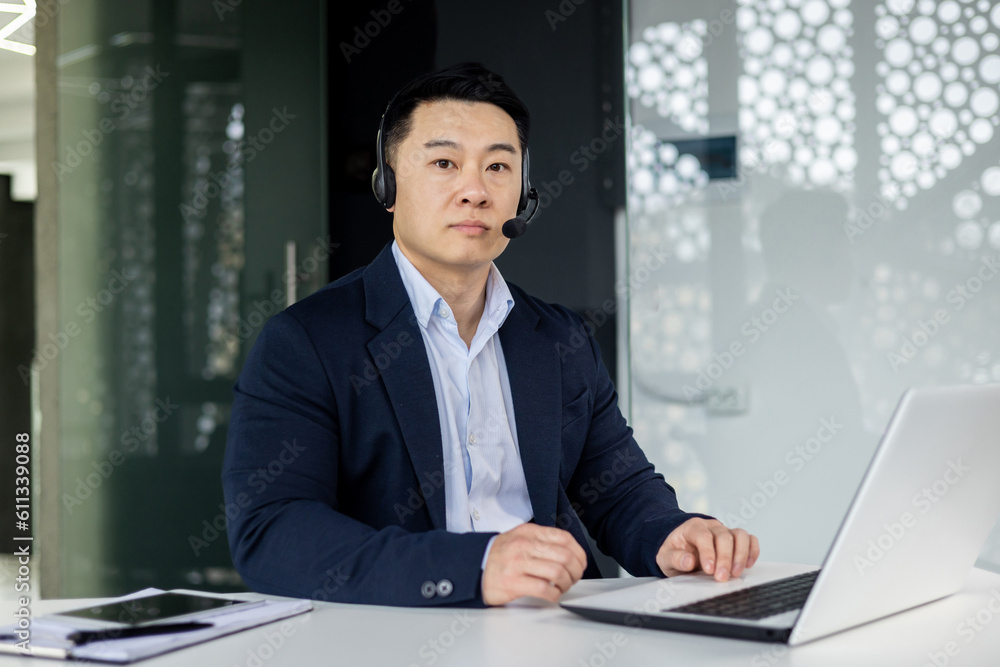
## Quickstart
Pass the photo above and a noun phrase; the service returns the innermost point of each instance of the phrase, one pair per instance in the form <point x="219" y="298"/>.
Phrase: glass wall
<point x="149" y="262"/>
<point x="813" y="227"/>
<point x="164" y="276"/>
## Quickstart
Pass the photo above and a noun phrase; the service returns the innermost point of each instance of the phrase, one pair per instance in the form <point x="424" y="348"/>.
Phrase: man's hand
<point x="532" y="560"/>
<point x="709" y="546"/>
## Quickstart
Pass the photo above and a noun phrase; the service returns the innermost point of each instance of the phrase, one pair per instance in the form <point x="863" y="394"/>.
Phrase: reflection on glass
<point x="150" y="205"/>
<point x="666" y="70"/>
<point x="797" y="107"/>
<point x="854" y="255"/>
<point x="213" y="227"/>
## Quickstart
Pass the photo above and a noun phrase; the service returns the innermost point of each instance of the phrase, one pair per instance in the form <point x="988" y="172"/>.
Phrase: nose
<point x="472" y="189"/>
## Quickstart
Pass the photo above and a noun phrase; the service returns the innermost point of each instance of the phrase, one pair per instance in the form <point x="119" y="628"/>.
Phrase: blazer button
<point x="444" y="588"/>
<point x="428" y="589"/>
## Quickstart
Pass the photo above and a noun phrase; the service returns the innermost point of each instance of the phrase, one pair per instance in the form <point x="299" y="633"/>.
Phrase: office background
<point x="776" y="216"/>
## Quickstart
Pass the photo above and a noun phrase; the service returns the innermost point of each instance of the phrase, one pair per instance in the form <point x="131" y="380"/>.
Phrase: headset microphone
<point x="519" y="225"/>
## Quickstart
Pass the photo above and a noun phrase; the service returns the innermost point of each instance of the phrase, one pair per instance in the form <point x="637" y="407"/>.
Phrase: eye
<point x="442" y="163"/>
<point x="503" y="167"/>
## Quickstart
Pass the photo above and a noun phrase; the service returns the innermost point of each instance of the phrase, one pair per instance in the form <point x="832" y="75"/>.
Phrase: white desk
<point x="361" y="635"/>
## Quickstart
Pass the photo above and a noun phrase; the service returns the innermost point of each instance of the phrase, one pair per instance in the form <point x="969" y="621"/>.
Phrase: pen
<point x="89" y="636"/>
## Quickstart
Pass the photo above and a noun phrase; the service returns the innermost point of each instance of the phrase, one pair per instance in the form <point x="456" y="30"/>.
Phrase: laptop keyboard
<point x="756" y="602"/>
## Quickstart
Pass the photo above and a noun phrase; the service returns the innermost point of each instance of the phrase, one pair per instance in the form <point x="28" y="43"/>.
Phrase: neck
<point x="464" y="290"/>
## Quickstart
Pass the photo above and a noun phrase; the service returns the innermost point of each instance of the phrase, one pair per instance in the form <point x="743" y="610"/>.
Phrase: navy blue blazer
<point x="333" y="474"/>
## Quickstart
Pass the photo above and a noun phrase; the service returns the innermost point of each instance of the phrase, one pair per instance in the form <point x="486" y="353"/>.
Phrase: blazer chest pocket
<point x="575" y="426"/>
<point x="574" y="412"/>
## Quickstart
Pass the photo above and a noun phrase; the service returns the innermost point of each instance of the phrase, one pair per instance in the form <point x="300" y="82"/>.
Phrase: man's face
<point x="458" y="179"/>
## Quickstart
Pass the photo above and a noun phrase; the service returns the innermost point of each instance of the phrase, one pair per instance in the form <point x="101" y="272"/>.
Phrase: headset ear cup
<point x="389" y="187"/>
<point x="525" y="187"/>
<point x="377" y="186"/>
<point x="383" y="178"/>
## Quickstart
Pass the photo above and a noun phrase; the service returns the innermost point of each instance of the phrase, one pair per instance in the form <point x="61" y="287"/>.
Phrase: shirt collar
<point x="426" y="300"/>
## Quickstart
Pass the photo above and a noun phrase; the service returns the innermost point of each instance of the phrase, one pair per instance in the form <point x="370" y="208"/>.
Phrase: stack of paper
<point x="50" y="635"/>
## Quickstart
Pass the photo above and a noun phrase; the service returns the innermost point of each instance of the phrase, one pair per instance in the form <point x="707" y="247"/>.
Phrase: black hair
<point x="467" y="81"/>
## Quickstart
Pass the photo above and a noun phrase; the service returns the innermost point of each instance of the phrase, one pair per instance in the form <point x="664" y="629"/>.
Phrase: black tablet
<point x="150" y="609"/>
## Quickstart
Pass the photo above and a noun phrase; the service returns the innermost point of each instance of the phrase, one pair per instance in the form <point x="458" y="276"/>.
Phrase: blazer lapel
<point x="407" y="376"/>
<point x="536" y="390"/>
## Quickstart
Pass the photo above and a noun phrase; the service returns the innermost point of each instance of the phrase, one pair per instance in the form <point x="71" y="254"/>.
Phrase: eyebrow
<point x="448" y="143"/>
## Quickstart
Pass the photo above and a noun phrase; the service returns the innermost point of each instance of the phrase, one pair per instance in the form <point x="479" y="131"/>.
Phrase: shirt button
<point x="472" y="439"/>
<point x="428" y="589"/>
<point x="444" y="313"/>
<point x="475" y="514"/>
<point x="444" y="588"/>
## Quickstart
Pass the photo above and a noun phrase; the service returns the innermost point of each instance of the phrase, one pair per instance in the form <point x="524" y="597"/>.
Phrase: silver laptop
<point x="913" y="532"/>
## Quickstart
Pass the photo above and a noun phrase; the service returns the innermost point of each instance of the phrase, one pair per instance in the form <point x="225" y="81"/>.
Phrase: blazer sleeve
<point x="280" y="476"/>
<point x="628" y="507"/>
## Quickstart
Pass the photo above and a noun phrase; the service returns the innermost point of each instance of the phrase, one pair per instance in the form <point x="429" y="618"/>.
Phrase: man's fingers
<point x="723" y="540"/>
<point x="713" y="543"/>
<point x="538" y="588"/>
<point x="741" y="551"/>
<point x="534" y="560"/>
<point x="562" y="555"/>
<point x="754" y="551"/>
<point x="551" y="572"/>
<point x="683" y="561"/>
<point x="701" y="537"/>
<point x="514" y="587"/>
<point x="709" y="546"/>
<point x="565" y="539"/>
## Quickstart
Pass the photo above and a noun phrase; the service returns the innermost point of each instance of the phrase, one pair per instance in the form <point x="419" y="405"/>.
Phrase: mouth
<point x="471" y="226"/>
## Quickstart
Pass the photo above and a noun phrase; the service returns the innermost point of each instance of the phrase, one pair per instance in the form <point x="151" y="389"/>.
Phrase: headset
<point x="384" y="184"/>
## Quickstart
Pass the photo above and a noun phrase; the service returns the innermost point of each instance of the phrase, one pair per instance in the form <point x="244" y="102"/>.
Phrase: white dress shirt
<point x="485" y="490"/>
